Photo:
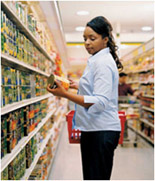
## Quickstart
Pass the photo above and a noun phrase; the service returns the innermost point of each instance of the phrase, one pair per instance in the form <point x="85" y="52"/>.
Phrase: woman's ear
<point x="106" y="39"/>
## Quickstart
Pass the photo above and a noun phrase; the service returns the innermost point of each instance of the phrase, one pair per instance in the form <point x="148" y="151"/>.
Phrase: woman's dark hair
<point x="102" y="26"/>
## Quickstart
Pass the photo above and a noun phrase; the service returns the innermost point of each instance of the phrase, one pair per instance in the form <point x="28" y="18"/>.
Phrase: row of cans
<point x="17" y="85"/>
<point x="9" y="77"/>
<point x="41" y="169"/>
<point x="16" y="169"/>
<point x="21" y="10"/>
<point x="16" y="44"/>
<point x="24" y="159"/>
<point x="17" y="124"/>
<point x="11" y="94"/>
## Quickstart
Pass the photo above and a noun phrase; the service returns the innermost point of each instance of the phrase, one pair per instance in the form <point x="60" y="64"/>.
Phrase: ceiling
<point x="130" y="16"/>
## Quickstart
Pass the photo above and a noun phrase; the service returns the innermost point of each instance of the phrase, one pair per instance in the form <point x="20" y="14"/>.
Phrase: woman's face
<point x="94" y="41"/>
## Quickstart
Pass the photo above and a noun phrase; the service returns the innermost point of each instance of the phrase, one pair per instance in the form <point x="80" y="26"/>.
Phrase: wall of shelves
<point x="139" y="65"/>
<point x="19" y="24"/>
<point x="25" y="114"/>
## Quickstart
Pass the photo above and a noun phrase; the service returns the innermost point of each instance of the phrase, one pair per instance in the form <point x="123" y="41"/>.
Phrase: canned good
<point x="4" y="126"/>
<point x="26" y="121"/>
<point x="64" y="82"/>
<point x="3" y="146"/>
<point x="4" y="174"/>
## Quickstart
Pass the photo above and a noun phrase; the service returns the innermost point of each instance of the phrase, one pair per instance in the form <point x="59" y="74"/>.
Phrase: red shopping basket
<point x="122" y="118"/>
<point x="75" y="134"/>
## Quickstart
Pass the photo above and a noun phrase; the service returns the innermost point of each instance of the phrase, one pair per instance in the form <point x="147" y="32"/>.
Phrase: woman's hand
<point x="73" y="84"/>
<point x="59" y="91"/>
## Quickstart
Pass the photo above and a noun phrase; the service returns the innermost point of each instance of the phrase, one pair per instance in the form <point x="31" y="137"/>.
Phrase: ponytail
<point x="113" y="48"/>
<point x="103" y="27"/>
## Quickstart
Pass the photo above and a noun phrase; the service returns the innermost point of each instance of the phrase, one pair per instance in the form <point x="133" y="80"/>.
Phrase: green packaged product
<point x="26" y="121"/>
<point x="4" y="174"/>
<point x="10" y="171"/>
<point x="3" y="146"/>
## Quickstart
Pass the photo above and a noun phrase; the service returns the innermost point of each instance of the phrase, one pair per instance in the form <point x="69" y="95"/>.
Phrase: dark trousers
<point x="97" y="150"/>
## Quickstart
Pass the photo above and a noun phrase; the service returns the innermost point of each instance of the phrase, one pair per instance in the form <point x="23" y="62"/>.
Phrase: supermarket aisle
<point x="130" y="163"/>
<point x="67" y="162"/>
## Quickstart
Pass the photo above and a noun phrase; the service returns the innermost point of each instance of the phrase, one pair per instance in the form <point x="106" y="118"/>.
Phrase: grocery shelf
<point x="140" y="82"/>
<point x="148" y="96"/>
<point x="36" y="158"/>
<point x="23" y="28"/>
<point x="10" y="156"/>
<point x="133" y="82"/>
<point x="53" y="152"/>
<point x="141" y="134"/>
<point x="129" y="105"/>
<point x="11" y="107"/>
<point x="140" y="51"/>
<point x="23" y="142"/>
<point x="146" y="122"/>
<point x="148" y="109"/>
<point x="143" y="70"/>
<point x="14" y="62"/>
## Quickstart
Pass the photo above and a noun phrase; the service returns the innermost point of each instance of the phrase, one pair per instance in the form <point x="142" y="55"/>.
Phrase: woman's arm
<point x="60" y="91"/>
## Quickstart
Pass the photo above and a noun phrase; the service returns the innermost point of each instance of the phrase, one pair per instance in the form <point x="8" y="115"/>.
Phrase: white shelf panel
<point x="17" y="105"/>
<point x="143" y="70"/>
<point x="148" y="96"/>
<point x="146" y="122"/>
<point x="123" y="105"/>
<point x="10" y="156"/>
<point x="142" y="134"/>
<point x="36" y="158"/>
<point x="12" y="16"/>
<point x="148" y="109"/>
<point x="14" y="62"/>
<point x="140" y="82"/>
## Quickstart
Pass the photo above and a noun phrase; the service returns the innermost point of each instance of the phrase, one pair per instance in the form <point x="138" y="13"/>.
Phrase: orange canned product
<point x="64" y="82"/>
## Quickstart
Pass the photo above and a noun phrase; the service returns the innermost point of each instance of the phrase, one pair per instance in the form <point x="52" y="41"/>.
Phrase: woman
<point x="97" y="101"/>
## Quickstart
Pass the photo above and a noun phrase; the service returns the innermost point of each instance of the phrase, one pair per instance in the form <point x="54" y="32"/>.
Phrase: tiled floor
<point x="129" y="164"/>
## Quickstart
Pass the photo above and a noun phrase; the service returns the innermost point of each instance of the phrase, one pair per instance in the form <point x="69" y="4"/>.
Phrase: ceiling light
<point x="78" y="46"/>
<point x="146" y="28"/>
<point x="82" y="13"/>
<point x="123" y="46"/>
<point x="80" y="28"/>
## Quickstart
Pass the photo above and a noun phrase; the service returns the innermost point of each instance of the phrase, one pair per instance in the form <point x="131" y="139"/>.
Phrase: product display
<point x="140" y="71"/>
<point x="25" y="134"/>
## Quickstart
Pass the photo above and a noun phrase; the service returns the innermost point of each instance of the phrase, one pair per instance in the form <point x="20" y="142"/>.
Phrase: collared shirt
<point x="125" y="89"/>
<point x="99" y="85"/>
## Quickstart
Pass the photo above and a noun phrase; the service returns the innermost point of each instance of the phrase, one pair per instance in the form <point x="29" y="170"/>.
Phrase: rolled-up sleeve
<point x="102" y="87"/>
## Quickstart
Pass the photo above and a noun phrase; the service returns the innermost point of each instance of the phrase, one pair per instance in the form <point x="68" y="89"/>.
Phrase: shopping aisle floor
<point x="129" y="164"/>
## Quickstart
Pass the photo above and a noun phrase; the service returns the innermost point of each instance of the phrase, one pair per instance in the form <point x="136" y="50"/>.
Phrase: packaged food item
<point x="28" y="154"/>
<point x="3" y="146"/>
<point x="64" y="82"/>
<point x="26" y="121"/>
<point x="4" y="174"/>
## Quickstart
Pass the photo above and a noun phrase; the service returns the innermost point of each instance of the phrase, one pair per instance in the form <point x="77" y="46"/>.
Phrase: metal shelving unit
<point x="148" y="109"/>
<point x="7" y="60"/>
<point x="9" y="157"/>
<point x="146" y="122"/>
<point x="24" y="29"/>
<point x="14" y="62"/>
<point x="141" y="134"/>
<point x="142" y="51"/>
<point x="149" y="96"/>
<point x="37" y="156"/>
<point x="17" y="105"/>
